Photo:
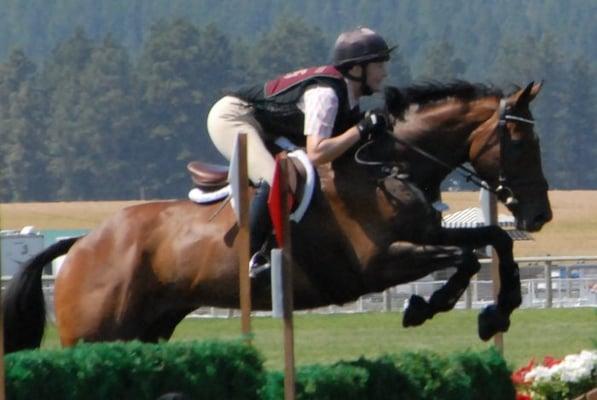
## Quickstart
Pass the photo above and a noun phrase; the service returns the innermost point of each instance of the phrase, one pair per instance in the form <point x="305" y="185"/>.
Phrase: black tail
<point x="23" y="305"/>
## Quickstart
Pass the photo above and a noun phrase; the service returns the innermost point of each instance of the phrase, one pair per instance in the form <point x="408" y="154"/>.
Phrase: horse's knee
<point x="470" y="263"/>
<point x="500" y="239"/>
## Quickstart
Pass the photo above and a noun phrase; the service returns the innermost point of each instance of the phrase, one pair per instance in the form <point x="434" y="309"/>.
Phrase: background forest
<point x="107" y="99"/>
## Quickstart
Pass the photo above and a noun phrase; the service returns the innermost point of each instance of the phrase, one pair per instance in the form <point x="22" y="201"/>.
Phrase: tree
<point x="440" y="63"/>
<point x="289" y="46"/>
<point x="61" y="78"/>
<point x="172" y="79"/>
<point x="108" y="124"/>
<point x="23" y="153"/>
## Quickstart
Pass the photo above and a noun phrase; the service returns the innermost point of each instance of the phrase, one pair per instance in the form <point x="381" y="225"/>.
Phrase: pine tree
<point x="440" y="63"/>
<point x="23" y="154"/>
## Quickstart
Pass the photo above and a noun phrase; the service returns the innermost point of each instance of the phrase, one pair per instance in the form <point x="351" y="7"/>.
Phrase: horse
<point x="140" y="272"/>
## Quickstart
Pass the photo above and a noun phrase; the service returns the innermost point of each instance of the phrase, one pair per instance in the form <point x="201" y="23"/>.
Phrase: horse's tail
<point x="24" y="307"/>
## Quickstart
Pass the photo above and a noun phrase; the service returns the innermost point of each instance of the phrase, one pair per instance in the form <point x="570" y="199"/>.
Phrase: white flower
<point x="573" y="368"/>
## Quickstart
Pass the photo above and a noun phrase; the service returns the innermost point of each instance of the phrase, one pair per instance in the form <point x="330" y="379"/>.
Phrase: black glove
<point x="372" y="125"/>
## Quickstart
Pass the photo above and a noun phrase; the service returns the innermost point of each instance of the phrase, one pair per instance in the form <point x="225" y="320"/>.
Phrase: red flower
<point x="551" y="361"/>
<point x="519" y="374"/>
<point x="522" y="396"/>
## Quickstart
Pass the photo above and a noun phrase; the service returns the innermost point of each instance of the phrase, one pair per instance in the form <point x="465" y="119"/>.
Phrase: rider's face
<point x="376" y="73"/>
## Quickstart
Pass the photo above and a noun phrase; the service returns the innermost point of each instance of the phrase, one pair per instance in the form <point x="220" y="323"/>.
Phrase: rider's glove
<point x="372" y="125"/>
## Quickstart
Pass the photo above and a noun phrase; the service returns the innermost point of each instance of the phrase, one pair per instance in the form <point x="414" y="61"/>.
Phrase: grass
<point x="534" y="333"/>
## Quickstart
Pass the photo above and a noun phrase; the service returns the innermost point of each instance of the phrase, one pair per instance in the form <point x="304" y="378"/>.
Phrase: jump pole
<point x="282" y="289"/>
<point x="239" y="179"/>
<point x="2" y="377"/>
<point x="489" y="207"/>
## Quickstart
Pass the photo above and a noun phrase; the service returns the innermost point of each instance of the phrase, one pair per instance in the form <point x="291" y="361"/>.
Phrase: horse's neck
<point x="444" y="130"/>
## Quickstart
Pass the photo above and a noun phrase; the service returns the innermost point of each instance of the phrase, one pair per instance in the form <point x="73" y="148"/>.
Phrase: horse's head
<point x="505" y="153"/>
<point x="438" y="127"/>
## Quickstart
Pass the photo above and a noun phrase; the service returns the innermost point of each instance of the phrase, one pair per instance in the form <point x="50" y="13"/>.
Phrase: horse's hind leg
<point x="445" y="298"/>
<point x="163" y="327"/>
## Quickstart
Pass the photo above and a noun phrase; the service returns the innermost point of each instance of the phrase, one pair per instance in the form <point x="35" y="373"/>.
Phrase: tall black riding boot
<point x="260" y="225"/>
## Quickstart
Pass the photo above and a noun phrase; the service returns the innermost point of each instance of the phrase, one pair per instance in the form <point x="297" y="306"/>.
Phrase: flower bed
<point x="556" y="379"/>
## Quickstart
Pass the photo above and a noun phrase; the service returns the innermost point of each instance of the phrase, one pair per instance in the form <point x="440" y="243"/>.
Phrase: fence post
<point x="239" y="180"/>
<point x="548" y="292"/>
<point x="489" y="207"/>
<point x="468" y="298"/>
<point x="281" y="222"/>
<point x="387" y="300"/>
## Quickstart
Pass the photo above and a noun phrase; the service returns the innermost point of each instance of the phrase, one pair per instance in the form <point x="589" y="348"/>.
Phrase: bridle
<point x="503" y="191"/>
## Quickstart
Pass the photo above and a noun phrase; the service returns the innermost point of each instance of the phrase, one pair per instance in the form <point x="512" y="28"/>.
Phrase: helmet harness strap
<point x="365" y="88"/>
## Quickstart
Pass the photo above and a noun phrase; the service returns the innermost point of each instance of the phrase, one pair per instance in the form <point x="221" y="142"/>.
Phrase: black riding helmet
<point x="360" y="47"/>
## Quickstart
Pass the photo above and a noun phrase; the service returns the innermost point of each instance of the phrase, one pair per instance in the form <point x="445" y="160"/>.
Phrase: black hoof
<point x="417" y="312"/>
<point x="491" y="321"/>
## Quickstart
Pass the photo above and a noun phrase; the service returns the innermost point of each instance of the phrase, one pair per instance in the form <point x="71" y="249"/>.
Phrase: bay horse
<point x="139" y="273"/>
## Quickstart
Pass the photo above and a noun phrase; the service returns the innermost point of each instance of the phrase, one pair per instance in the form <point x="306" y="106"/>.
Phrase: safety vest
<point x="275" y="102"/>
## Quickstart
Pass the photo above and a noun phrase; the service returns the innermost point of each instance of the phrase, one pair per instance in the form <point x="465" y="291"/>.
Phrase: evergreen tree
<point x="441" y="64"/>
<point x="108" y="124"/>
<point x="173" y="77"/>
<point x="580" y="124"/>
<point x="289" y="46"/>
<point x="23" y="154"/>
<point x="66" y="142"/>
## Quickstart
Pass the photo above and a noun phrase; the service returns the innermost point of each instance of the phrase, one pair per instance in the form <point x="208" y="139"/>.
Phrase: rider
<point x="315" y="107"/>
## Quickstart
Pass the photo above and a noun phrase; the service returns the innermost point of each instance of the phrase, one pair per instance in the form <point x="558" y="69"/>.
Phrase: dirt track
<point x="573" y="230"/>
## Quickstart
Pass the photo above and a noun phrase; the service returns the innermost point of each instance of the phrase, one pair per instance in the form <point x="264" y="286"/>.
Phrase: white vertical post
<point x="239" y="180"/>
<point x="489" y="208"/>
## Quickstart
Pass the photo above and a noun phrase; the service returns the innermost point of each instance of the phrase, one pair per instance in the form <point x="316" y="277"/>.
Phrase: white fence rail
<point x="546" y="282"/>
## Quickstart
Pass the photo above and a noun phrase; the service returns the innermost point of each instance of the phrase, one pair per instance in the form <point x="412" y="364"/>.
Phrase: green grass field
<point x="534" y="333"/>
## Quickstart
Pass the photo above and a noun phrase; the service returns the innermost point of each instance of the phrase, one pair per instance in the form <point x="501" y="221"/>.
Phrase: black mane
<point x="397" y="100"/>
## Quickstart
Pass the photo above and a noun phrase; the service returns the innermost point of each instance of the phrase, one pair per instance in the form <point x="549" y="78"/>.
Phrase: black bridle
<point x="503" y="192"/>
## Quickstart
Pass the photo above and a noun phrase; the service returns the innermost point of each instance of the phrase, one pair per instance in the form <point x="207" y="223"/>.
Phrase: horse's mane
<point x="398" y="100"/>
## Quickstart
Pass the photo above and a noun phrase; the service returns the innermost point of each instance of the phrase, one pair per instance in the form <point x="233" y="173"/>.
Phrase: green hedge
<point x="209" y="370"/>
<point x="424" y="375"/>
<point x="225" y="370"/>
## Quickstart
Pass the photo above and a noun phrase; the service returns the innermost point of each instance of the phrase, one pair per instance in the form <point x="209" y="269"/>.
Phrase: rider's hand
<point x="372" y="125"/>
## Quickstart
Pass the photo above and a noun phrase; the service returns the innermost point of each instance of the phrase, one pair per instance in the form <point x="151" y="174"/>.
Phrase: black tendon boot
<point x="260" y="225"/>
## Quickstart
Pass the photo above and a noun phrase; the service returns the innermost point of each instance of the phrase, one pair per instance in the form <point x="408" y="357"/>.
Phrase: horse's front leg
<point x="494" y="318"/>
<point x="445" y="298"/>
<point x="405" y="262"/>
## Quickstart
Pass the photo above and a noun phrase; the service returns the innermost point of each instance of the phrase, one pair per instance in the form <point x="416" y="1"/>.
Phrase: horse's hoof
<point x="417" y="312"/>
<point x="491" y="321"/>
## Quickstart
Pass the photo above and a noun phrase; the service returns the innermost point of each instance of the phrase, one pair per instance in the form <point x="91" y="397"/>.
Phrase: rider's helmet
<point x="360" y="47"/>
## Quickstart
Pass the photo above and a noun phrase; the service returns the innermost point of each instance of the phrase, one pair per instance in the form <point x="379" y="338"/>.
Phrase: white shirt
<point x="320" y="105"/>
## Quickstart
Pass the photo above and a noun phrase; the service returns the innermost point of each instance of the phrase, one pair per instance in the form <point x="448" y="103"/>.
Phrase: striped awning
<point x="473" y="218"/>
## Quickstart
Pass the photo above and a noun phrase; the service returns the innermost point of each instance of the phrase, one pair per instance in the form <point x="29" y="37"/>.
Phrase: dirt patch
<point x="571" y="232"/>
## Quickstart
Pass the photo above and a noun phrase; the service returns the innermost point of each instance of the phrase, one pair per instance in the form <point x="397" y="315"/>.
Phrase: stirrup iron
<point x="258" y="263"/>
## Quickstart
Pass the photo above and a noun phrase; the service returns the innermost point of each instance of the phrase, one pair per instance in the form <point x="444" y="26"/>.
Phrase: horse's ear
<point x="528" y="94"/>
<point x="396" y="102"/>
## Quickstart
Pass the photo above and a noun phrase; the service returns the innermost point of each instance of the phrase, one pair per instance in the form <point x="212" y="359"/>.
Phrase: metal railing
<point x="567" y="281"/>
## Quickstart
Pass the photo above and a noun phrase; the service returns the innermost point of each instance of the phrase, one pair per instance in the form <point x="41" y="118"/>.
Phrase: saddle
<point x="207" y="176"/>
<point x="211" y="182"/>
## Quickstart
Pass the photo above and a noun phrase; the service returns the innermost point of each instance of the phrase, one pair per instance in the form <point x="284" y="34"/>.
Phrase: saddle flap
<point x="208" y="175"/>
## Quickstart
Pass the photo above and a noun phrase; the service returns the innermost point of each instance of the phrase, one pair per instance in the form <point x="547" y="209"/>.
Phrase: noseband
<point x="503" y="192"/>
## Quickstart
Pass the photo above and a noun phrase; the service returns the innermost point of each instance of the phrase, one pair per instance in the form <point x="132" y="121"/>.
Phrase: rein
<point x="502" y="191"/>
